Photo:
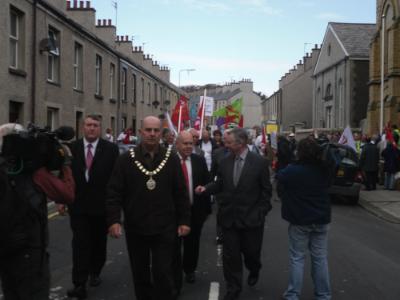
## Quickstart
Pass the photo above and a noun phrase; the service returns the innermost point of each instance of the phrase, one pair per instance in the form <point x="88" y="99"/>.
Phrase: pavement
<point x="382" y="203"/>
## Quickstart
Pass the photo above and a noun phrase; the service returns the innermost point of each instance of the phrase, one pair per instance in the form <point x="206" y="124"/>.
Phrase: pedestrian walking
<point x="148" y="185"/>
<point x="92" y="164"/>
<point x="195" y="171"/>
<point x="306" y="206"/>
<point x="369" y="163"/>
<point x="244" y="189"/>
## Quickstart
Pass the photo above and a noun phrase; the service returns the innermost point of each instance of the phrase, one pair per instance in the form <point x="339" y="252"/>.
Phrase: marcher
<point x="244" y="189"/>
<point x="92" y="164"/>
<point x="306" y="206"/>
<point x="196" y="136"/>
<point x="24" y="260"/>
<point x="369" y="163"/>
<point x="207" y="145"/>
<point x="108" y="135"/>
<point x="195" y="171"/>
<point x="391" y="164"/>
<point x="148" y="184"/>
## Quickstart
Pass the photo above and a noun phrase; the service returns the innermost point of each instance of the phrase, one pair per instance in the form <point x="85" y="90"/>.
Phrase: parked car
<point x="124" y="147"/>
<point x="346" y="181"/>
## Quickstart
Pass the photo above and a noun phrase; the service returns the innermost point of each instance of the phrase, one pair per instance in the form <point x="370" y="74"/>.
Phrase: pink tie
<point x="89" y="157"/>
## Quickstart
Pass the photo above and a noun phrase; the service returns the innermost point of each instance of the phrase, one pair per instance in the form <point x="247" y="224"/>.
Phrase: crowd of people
<point x="159" y="194"/>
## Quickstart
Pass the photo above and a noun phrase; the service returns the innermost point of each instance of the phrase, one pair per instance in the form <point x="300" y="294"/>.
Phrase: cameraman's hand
<point x="61" y="209"/>
<point x="115" y="230"/>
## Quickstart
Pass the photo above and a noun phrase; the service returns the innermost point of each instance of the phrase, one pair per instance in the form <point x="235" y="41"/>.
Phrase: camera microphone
<point x="65" y="133"/>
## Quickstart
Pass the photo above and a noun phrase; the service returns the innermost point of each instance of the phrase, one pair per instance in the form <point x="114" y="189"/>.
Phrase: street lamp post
<point x="180" y="71"/>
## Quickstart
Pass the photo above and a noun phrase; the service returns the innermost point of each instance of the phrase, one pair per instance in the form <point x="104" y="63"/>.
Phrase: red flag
<point x="199" y="116"/>
<point x="263" y="139"/>
<point x="389" y="135"/>
<point x="183" y="106"/>
<point x="241" y="121"/>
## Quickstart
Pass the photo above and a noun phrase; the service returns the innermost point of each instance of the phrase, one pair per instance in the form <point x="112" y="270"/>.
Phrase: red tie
<point x="89" y="157"/>
<point x="185" y="173"/>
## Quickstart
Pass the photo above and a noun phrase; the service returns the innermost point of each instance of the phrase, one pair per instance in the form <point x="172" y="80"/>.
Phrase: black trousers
<point x="25" y="275"/>
<point x="151" y="259"/>
<point x="238" y="242"/>
<point x="186" y="254"/>
<point x="370" y="180"/>
<point x="89" y="246"/>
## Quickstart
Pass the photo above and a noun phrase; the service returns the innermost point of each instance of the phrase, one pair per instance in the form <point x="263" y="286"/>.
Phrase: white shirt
<point x="207" y="148"/>
<point x="188" y="163"/>
<point x="85" y="149"/>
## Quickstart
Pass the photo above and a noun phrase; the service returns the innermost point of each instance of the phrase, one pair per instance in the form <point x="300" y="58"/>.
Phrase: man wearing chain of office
<point x="147" y="184"/>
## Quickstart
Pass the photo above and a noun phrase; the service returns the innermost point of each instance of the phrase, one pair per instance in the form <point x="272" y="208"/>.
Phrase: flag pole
<point x="180" y="117"/>
<point x="202" y="112"/>
<point x="382" y="74"/>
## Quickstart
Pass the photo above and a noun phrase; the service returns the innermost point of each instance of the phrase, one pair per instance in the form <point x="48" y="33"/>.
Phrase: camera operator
<point x="27" y="162"/>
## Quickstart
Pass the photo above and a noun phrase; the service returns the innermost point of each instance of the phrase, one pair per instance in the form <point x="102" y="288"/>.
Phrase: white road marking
<point x="214" y="291"/>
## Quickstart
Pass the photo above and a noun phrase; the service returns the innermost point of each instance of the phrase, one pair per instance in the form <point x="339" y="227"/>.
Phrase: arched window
<point x="328" y="92"/>
<point x="389" y="21"/>
<point x="341" y="105"/>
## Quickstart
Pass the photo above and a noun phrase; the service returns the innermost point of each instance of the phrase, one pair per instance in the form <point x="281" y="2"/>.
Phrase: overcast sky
<point x="226" y="40"/>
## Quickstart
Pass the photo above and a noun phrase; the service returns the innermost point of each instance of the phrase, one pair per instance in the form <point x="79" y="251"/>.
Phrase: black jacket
<point x="91" y="196"/>
<point x="148" y="212"/>
<point x="369" y="158"/>
<point x="244" y="205"/>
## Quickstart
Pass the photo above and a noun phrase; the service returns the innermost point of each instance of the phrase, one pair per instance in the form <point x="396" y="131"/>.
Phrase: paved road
<point x="364" y="261"/>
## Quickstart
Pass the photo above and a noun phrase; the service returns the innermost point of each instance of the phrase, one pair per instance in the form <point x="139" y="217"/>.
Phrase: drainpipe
<point x="118" y="97"/>
<point x="33" y="59"/>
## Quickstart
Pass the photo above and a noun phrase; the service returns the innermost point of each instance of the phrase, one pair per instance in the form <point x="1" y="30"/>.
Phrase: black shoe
<point x="94" y="280"/>
<point x="77" y="292"/>
<point x="231" y="296"/>
<point x="190" y="277"/>
<point x="252" y="279"/>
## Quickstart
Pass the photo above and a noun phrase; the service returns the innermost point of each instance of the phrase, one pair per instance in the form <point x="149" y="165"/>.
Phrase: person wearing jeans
<point x="306" y="206"/>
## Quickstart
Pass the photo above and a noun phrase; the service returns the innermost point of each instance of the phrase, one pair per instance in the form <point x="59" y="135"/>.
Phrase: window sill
<point x="133" y="103"/>
<point x="78" y="91"/>
<point x="17" y="72"/>
<point x="112" y="100"/>
<point x="124" y="101"/>
<point x="142" y="102"/>
<point x="53" y="83"/>
<point x="99" y="97"/>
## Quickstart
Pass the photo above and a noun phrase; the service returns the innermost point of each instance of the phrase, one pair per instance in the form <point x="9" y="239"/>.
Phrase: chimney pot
<point x="81" y="3"/>
<point x="140" y="48"/>
<point x="68" y="4"/>
<point x="126" y="38"/>
<point x="98" y="22"/>
<point x="109" y="22"/>
<point x="135" y="49"/>
<point x="104" y="22"/>
<point x="87" y="4"/>
<point x="75" y="4"/>
<point x="117" y="37"/>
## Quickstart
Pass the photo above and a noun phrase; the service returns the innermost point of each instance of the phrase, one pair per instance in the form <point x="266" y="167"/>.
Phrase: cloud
<point x="330" y="16"/>
<point x="306" y="3"/>
<point x="260" y="6"/>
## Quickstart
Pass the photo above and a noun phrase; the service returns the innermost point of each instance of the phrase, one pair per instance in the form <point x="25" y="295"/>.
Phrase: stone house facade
<point x="391" y="88"/>
<point x="340" y="78"/>
<point x="59" y="65"/>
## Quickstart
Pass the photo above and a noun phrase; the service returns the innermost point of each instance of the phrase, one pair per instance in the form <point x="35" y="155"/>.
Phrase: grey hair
<point x="240" y="136"/>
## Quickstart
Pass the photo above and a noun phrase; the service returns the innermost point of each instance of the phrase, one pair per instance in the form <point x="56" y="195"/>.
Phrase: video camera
<point x="37" y="147"/>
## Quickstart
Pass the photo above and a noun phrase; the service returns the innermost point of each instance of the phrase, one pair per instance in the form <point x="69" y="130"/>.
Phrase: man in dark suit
<point x="148" y="184"/>
<point x="195" y="171"/>
<point x="244" y="192"/>
<point x="369" y="163"/>
<point x="92" y="164"/>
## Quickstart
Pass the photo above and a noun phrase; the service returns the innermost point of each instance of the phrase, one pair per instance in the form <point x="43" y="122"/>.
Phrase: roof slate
<point x="356" y="38"/>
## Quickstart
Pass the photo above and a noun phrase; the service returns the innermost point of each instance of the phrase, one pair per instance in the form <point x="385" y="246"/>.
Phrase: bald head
<point x="150" y="132"/>
<point x="184" y="143"/>
<point x="196" y="135"/>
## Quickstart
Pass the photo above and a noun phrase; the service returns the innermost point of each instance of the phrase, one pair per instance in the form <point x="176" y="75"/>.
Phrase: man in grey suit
<point x="244" y="192"/>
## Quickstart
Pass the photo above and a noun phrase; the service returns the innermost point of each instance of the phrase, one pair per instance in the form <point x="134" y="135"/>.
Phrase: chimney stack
<point x="109" y="22"/>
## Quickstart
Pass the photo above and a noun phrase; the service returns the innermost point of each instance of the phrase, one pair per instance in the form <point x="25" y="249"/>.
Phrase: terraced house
<point x="59" y="64"/>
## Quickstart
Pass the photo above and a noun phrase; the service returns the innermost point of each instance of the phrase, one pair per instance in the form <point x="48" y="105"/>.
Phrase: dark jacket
<point x="201" y="206"/>
<point x="369" y="158"/>
<point x="148" y="212"/>
<point x="91" y="196"/>
<point x="305" y="198"/>
<point x="247" y="204"/>
<point x="391" y="156"/>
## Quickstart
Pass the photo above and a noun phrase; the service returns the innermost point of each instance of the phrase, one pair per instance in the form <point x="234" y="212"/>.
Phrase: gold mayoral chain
<point x="151" y="183"/>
